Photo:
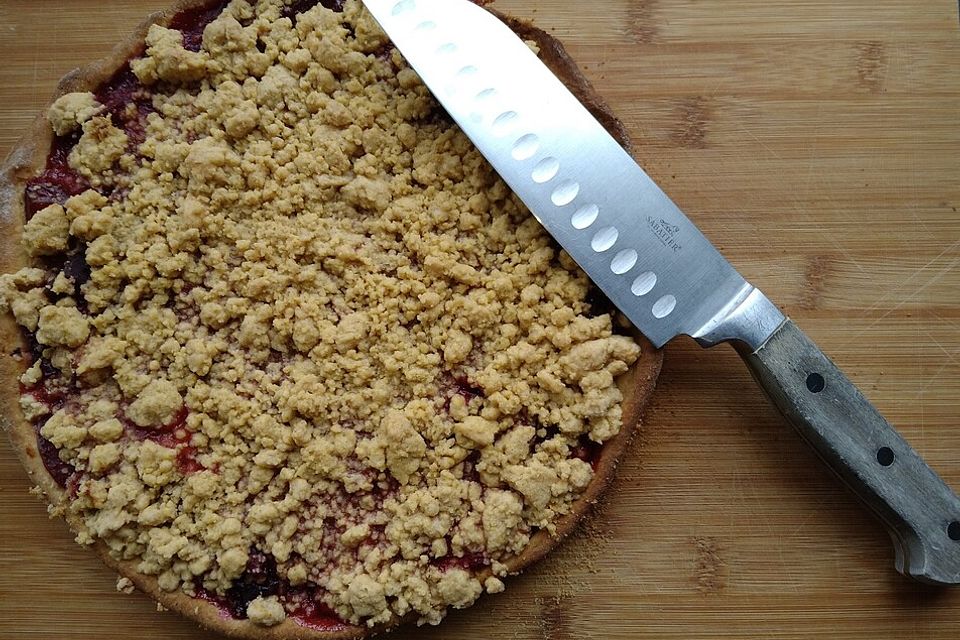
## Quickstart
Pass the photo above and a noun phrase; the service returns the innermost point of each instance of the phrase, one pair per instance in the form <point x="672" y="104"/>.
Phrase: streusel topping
<point x="314" y="341"/>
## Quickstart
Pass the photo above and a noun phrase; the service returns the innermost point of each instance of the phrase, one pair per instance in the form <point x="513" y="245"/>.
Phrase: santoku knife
<point x="656" y="266"/>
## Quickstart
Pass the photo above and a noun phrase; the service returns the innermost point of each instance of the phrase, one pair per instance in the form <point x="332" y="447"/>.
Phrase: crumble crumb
<point x="458" y="588"/>
<point x="104" y="456"/>
<point x="156" y="404"/>
<point x="266" y="611"/>
<point x="476" y="431"/>
<point x="167" y="59"/>
<point x="46" y="232"/>
<point x="405" y="447"/>
<point x="100" y="146"/>
<point x="125" y="585"/>
<point x="107" y="430"/>
<point x="62" y="326"/>
<point x="71" y="110"/>
<point x="156" y="464"/>
<point x="366" y="597"/>
<point x="493" y="585"/>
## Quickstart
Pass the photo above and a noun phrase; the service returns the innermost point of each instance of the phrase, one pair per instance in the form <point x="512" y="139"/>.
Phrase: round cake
<point x="281" y="346"/>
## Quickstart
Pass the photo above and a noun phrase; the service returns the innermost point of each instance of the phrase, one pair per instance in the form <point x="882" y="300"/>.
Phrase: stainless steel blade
<point x="603" y="209"/>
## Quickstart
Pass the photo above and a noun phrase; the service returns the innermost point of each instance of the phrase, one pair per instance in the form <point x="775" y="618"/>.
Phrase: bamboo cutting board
<point x="818" y="144"/>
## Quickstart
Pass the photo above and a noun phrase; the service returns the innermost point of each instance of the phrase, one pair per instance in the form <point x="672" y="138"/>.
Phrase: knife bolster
<point x="749" y="319"/>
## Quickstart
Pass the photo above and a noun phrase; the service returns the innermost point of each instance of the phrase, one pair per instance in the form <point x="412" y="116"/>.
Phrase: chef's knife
<point x="656" y="266"/>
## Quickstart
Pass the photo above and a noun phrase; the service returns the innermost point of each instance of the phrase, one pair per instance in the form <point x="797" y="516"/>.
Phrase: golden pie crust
<point x="28" y="159"/>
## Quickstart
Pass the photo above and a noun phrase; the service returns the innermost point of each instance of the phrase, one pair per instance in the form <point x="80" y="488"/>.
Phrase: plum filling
<point x="128" y="104"/>
<point x="58" y="181"/>
<point x="467" y="389"/>
<point x="74" y="265"/>
<point x="304" y="603"/>
<point x="460" y="386"/>
<point x="585" y="449"/>
<point x="52" y="390"/>
<point x="260" y="580"/>
<point x="173" y="435"/>
<point x="470" y="467"/>
<point x="299" y="6"/>
<point x="53" y="398"/>
<point x="588" y="451"/>
<point x="316" y="615"/>
<point x="59" y="470"/>
<point x="192" y="22"/>
<point x="470" y="561"/>
<point x="76" y="268"/>
<point x="35" y="351"/>
<point x="599" y="303"/>
<point x="187" y="461"/>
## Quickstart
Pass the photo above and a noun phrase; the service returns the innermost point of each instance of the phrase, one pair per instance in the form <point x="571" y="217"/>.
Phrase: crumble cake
<point x="294" y="359"/>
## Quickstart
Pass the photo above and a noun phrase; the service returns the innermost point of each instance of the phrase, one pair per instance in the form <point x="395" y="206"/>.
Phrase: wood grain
<point x="817" y="143"/>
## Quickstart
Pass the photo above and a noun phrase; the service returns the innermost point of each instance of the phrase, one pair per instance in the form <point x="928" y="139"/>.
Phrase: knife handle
<point x="919" y="510"/>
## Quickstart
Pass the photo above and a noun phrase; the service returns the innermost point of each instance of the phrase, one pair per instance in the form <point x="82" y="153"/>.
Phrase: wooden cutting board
<point x="818" y="144"/>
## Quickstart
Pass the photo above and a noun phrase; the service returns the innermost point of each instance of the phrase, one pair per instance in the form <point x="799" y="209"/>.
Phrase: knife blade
<point x="656" y="266"/>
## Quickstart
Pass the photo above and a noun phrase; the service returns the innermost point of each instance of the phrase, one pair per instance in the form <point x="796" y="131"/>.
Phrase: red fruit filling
<point x="59" y="470"/>
<point x="260" y="580"/>
<point x="460" y="386"/>
<point x="588" y="451"/>
<point x="128" y="103"/>
<point x="299" y="6"/>
<point x="470" y="561"/>
<point x="173" y="435"/>
<point x="192" y="22"/>
<point x="58" y="181"/>
<point x="317" y="615"/>
<point x="310" y="611"/>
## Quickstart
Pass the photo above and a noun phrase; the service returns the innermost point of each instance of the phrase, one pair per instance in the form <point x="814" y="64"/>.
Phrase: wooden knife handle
<point x="919" y="510"/>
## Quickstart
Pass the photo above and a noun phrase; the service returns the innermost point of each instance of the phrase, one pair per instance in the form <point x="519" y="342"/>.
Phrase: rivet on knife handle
<point x="920" y="511"/>
<point x="655" y="264"/>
